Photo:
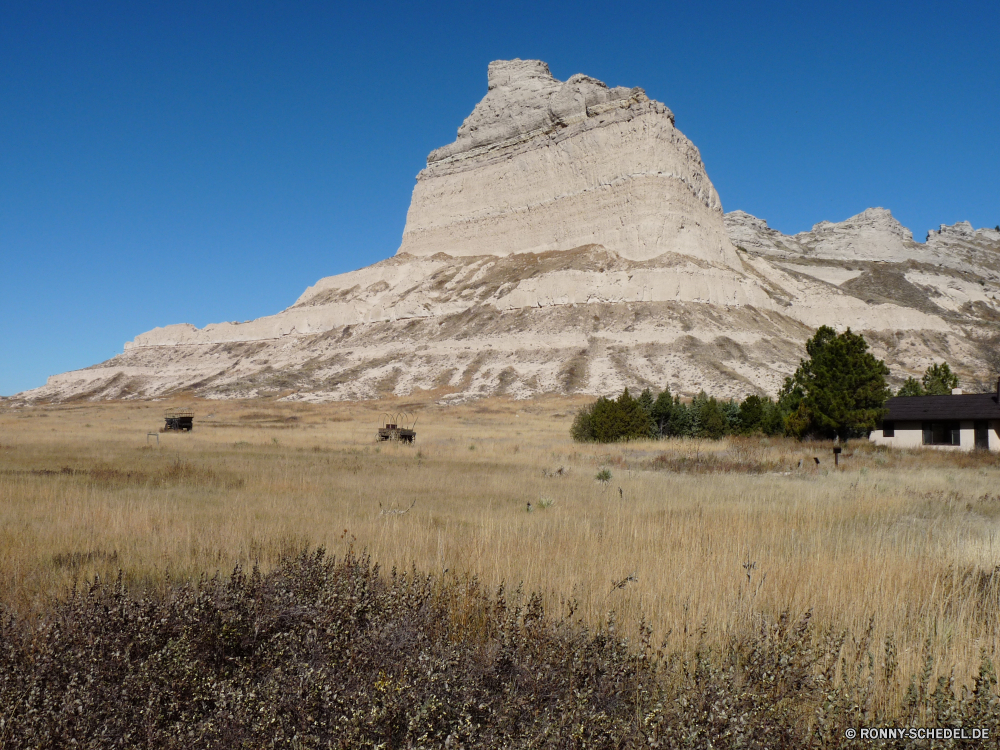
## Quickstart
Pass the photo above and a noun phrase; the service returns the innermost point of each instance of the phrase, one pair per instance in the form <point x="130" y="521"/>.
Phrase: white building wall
<point x="908" y="435"/>
<point x="968" y="429"/>
<point x="911" y="435"/>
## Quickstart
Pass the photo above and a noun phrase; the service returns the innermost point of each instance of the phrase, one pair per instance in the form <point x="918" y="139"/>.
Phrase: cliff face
<point x="545" y="165"/>
<point x="570" y="240"/>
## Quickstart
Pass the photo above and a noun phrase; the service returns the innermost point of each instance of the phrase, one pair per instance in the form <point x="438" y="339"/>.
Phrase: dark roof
<point x="965" y="406"/>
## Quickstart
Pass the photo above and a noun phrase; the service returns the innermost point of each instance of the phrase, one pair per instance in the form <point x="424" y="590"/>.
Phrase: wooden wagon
<point x="178" y="421"/>
<point x="392" y="428"/>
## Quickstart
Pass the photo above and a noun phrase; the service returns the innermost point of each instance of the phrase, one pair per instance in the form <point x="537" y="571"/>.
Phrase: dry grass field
<point x="702" y="539"/>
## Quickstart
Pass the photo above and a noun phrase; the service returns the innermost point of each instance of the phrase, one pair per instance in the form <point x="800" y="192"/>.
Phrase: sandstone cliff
<point x="570" y="240"/>
<point x="541" y="165"/>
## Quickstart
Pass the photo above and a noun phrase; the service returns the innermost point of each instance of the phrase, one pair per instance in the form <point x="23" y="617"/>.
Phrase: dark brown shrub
<point x="326" y="653"/>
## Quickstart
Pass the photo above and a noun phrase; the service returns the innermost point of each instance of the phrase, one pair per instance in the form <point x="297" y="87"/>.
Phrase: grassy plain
<point x="699" y="538"/>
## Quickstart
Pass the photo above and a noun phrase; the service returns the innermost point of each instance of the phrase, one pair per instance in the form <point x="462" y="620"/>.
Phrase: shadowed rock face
<point x="545" y="165"/>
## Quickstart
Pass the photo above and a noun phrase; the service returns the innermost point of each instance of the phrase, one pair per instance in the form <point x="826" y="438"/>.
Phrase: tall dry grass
<point x="699" y="538"/>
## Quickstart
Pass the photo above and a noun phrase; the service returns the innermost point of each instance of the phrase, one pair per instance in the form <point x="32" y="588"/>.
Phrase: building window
<point x="942" y="433"/>
<point x="888" y="429"/>
<point x="982" y="434"/>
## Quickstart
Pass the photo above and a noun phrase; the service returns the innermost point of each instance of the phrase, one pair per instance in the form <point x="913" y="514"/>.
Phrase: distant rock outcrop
<point x="873" y="235"/>
<point x="963" y="235"/>
<point x="570" y="241"/>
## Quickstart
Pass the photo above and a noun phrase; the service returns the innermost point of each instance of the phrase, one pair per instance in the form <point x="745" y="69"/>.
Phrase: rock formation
<point x="541" y="165"/>
<point x="873" y="235"/>
<point x="570" y="240"/>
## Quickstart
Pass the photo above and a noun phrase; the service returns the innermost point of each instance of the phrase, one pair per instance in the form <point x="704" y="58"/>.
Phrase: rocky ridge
<point x="570" y="240"/>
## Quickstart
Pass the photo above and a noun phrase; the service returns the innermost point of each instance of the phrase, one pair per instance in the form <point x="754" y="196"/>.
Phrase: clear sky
<point x="168" y="162"/>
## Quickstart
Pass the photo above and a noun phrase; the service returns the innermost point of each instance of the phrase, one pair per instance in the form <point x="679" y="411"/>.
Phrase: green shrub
<point x="582" y="430"/>
<point x="607" y="421"/>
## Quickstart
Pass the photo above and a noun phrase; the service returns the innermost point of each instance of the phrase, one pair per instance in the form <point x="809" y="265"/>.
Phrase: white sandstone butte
<point x="570" y="240"/>
<point x="545" y="165"/>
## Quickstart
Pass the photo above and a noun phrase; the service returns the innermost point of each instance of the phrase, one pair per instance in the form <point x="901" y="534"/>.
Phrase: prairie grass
<point x="702" y="540"/>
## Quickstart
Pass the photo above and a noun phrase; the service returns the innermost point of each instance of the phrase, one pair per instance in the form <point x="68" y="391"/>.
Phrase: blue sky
<point x="199" y="162"/>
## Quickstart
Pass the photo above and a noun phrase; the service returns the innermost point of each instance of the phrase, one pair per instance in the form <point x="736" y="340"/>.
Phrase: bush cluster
<point x="938" y="380"/>
<point x="839" y="391"/>
<point x="648" y="416"/>
<point x="321" y="653"/>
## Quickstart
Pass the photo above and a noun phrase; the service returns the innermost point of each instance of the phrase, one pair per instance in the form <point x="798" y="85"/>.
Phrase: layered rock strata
<point x="874" y="235"/>
<point x="570" y="241"/>
<point x="545" y="165"/>
<point x="584" y="320"/>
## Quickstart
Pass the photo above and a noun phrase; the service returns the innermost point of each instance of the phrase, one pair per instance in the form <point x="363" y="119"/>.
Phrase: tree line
<point x="627" y="418"/>
<point x="839" y="390"/>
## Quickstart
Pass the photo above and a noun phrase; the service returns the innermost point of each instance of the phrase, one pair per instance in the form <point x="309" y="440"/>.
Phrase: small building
<point x="961" y="421"/>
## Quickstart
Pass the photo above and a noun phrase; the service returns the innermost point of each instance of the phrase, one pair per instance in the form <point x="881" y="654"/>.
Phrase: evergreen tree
<point x="773" y="422"/>
<point x="713" y="421"/>
<point x="606" y="420"/>
<point x="661" y="411"/>
<point x="645" y="401"/>
<point x="638" y="425"/>
<point x="842" y="384"/>
<point x="682" y="423"/>
<point x="794" y="415"/>
<point x="751" y="414"/>
<point x="790" y="395"/>
<point x="938" y="380"/>
<point x="912" y="387"/>
<point x="697" y="411"/>
<point x="731" y="411"/>
<point x="759" y="414"/>
<point x="621" y="419"/>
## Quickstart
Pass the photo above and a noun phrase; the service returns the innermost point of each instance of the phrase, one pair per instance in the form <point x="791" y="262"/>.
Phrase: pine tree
<point x="751" y="415"/>
<point x="661" y="412"/>
<point x="619" y="419"/>
<point x="795" y="418"/>
<point x="843" y="386"/>
<point x="773" y="422"/>
<point x="939" y="380"/>
<point x="713" y="421"/>
<point x="681" y="419"/>
<point x="731" y="411"/>
<point x="645" y="401"/>
<point x="912" y="387"/>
